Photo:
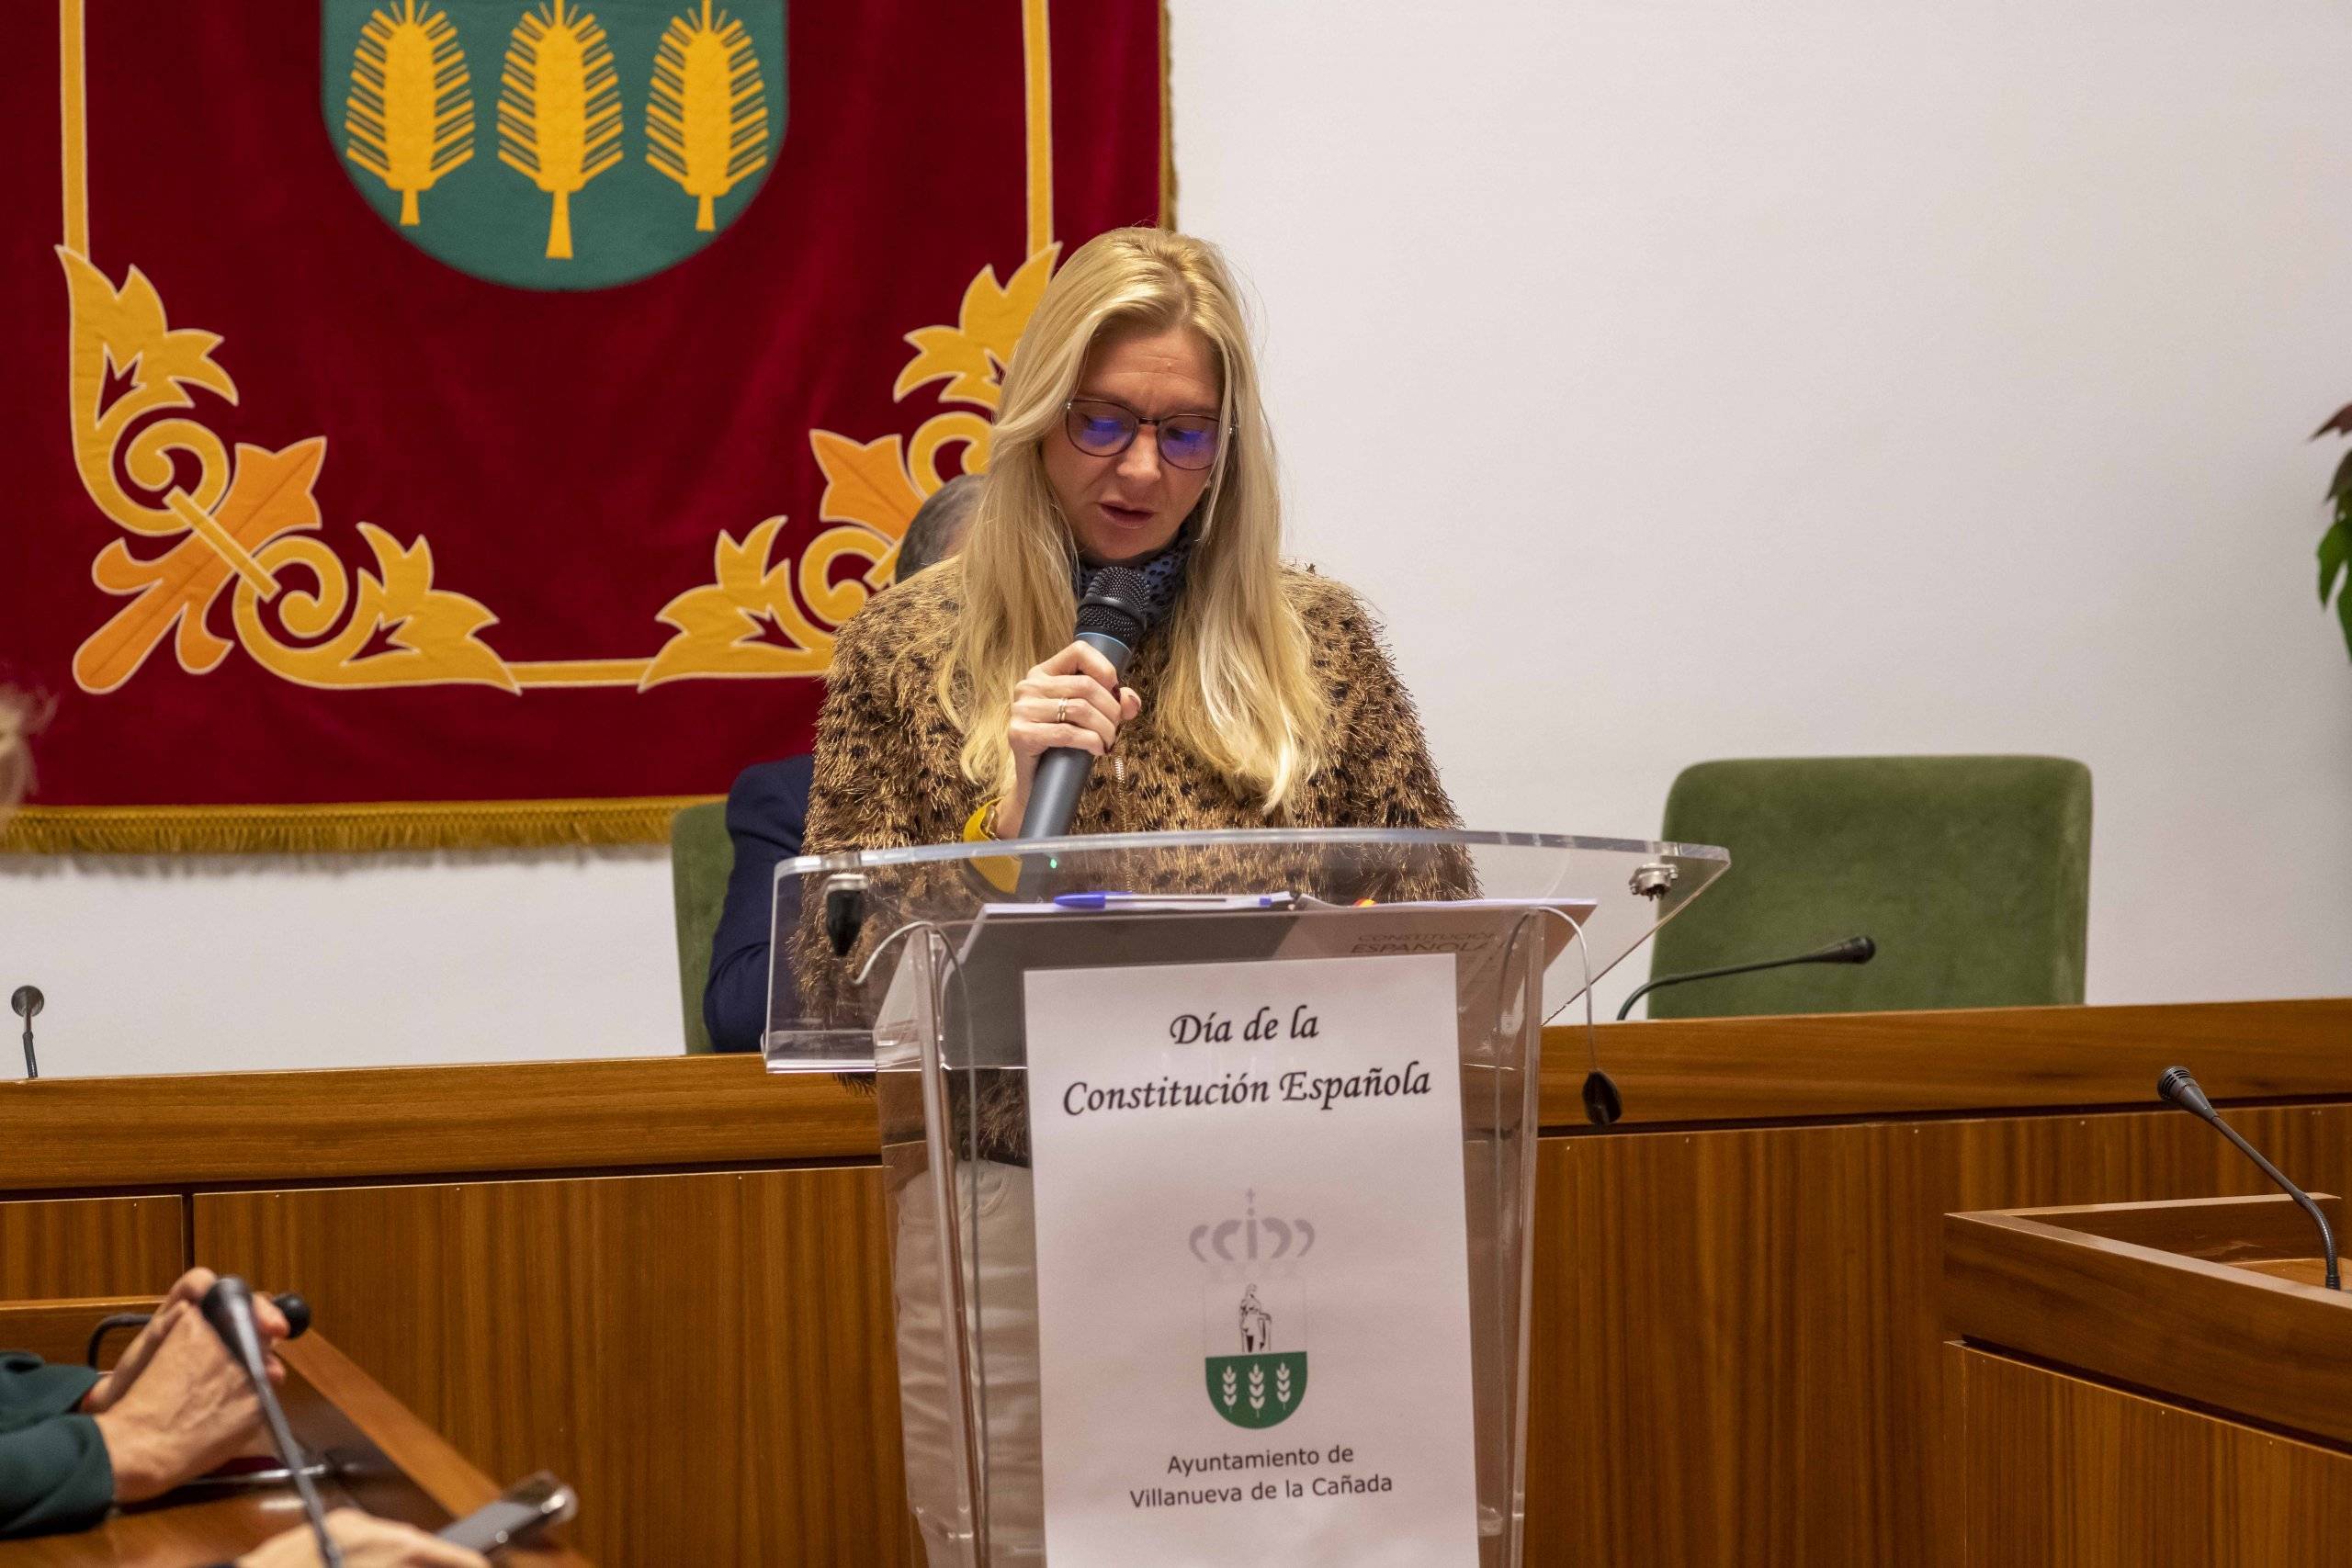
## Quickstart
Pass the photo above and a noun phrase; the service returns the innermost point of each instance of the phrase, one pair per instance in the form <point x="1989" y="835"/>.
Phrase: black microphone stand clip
<point x="25" y="1003"/>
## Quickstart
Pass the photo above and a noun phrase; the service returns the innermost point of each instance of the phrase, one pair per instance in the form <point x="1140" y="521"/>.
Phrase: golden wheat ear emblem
<point x="559" y="109"/>
<point x="409" y="117"/>
<point x="706" y="119"/>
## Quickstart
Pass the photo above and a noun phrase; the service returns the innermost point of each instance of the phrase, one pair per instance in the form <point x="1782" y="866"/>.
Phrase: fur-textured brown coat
<point x="888" y="772"/>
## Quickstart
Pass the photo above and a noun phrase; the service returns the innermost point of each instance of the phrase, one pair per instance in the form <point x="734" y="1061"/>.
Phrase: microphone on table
<point x="26" y="1002"/>
<point x="2181" y="1089"/>
<point x="1854" y="950"/>
<point x="228" y="1306"/>
<point x="1112" y="618"/>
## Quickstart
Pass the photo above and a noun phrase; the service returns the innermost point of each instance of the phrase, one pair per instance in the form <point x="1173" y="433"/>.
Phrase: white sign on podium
<point x="1253" y="1325"/>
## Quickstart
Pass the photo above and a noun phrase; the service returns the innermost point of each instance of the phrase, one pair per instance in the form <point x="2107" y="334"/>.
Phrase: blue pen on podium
<point x="1175" y="900"/>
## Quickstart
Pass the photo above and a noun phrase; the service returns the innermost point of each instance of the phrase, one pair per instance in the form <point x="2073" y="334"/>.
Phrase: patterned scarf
<point x="1163" y="575"/>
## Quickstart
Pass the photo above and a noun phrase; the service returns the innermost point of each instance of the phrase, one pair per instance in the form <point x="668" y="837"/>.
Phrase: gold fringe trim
<point x="341" y="829"/>
<point x="1167" y="127"/>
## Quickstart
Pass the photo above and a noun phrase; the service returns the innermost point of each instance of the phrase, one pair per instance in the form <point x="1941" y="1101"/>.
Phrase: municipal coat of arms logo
<point x="1253" y="1308"/>
<point x="555" y="143"/>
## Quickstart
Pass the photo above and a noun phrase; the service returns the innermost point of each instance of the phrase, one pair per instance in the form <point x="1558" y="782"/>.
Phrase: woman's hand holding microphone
<point x="1073" y="699"/>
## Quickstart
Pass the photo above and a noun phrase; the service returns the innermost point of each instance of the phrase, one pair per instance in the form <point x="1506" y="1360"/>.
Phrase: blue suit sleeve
<point x="767" y="811"/>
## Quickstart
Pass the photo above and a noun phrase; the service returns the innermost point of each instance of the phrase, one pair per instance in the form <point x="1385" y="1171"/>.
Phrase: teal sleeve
<point x="55" y="1473"/>
<point x="33" y="1390"/>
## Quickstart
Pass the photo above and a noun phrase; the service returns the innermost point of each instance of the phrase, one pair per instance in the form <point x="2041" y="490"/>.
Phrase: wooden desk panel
<point x="59" y="1330"/>
<point x="705" y="1358"/>
<point x="2063" y="1473"/>
<point x="90" y="1247"/>
<point x="1737" y="1340"/>
<point x="1737" y="1346"/>
<point x="368" y="1123"/>
<point x="2046" y="1285"/>
<point x="378" y="1121"/>
<point x="1737" y="1333"/>
<point x="1864" y="1064"/>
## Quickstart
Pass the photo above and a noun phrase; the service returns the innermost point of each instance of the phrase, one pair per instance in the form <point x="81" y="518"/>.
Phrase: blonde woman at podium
<point x="1130" y="436"/>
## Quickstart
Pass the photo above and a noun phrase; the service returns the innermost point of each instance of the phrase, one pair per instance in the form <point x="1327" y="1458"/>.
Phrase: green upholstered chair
<point x="1973" y="874"/>
<point x="701" y="859"/>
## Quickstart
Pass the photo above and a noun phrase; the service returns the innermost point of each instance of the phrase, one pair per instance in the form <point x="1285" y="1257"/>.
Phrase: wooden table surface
<point x="2302" y="1270"/>
<point x="187" y="1530"/>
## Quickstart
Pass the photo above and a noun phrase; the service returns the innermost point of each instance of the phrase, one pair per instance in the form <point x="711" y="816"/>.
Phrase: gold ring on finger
<point x="1061" y="711"/>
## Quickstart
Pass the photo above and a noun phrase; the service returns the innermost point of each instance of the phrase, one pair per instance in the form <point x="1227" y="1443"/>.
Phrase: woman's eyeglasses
<point x="1101" y="428"/>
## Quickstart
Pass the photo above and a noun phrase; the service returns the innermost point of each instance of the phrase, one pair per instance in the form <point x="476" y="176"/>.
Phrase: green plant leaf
<point x="2343" y="613"/>
<point x="2338" y="424"/>
<point x="2342" y="486"/>
<point x="2334" y="553"/>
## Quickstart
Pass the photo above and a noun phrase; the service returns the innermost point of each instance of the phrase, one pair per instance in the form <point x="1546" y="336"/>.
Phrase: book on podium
<point x="1210" y="1159"/>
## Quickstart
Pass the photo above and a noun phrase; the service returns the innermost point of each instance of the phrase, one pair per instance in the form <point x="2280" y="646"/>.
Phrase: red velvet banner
<point x="437" y="422"/>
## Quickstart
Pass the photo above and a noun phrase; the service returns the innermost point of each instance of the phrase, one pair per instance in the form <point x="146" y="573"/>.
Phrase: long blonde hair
<point x="1240" y="690"/>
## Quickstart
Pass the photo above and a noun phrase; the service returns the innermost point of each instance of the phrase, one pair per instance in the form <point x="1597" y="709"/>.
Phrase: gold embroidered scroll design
<point x="248" y="516"/>
<point x="750" y="620"/>
<point x="243" y="520"/>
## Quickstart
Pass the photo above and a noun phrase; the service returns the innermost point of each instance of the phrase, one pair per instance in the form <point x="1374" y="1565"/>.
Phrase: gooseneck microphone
<point x="228" y="1306"/>
<point x="25" y="1003"/>
<point x="1854" y="950"/>
<point x="1111" y="619"/>
<point x="2181" y="1089"/>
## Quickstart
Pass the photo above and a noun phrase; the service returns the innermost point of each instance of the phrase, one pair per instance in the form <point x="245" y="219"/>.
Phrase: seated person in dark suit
<point x="765" y="812"/>
<point x="769" y="806"/>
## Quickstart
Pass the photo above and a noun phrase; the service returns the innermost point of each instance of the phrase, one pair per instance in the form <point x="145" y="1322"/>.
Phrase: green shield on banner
<point x="555" y="143"/>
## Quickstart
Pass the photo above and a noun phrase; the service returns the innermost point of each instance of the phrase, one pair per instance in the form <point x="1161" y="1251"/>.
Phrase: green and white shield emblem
<point x="1262" y="1390"/>
<point x="1251" y="1302"/>
<point x="555" y="143"/>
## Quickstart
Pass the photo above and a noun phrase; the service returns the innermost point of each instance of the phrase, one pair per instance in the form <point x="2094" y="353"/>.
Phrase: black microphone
<point x="1854" y="950"/>
<point x="1111" y="619"/>
<point x="2177" y="1087"/>
<point x="228" y="1306"/>
<point x="26" y="1002"/>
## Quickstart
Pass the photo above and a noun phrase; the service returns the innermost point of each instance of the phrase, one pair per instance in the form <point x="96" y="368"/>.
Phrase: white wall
<point x="249" y="962"/>
<point x="1681" y="379"/>
<point x="1706" y="379"/>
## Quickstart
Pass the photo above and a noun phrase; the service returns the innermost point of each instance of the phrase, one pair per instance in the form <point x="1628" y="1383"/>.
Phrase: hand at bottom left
<point x="366" y="1542"/>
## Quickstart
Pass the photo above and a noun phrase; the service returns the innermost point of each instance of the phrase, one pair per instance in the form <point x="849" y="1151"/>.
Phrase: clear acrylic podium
<point x="909" y="964"/>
